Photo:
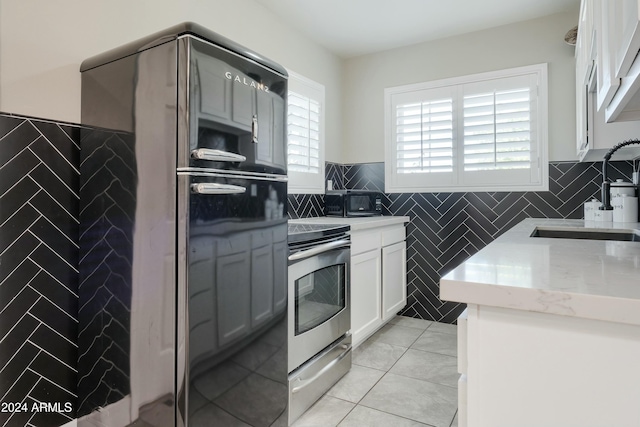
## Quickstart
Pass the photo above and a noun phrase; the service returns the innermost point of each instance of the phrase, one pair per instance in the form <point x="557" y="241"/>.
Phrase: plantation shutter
<point x="303" y="135"/>
<point x="424" y="136"/>
<point x="483" y="132"/>
<point x="497" y="124"/>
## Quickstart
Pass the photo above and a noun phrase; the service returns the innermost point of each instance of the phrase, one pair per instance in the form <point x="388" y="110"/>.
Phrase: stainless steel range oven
<point x="319" y="316"/>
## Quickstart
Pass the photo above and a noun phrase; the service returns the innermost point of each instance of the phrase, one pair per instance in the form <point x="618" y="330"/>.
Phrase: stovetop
<point x="298" y="233"/>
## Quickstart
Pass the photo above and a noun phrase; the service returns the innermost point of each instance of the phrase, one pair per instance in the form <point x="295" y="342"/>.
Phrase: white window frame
<point x="537" y="177"/>
<point x="302" y="182"/>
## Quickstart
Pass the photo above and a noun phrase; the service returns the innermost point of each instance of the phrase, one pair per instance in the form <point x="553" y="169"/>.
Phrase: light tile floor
<point x="405" y="375"/>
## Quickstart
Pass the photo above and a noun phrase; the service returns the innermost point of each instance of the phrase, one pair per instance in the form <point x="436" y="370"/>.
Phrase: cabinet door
<point x="264" y="149"/>
<point x="279" y="139"/>
<point x="606" y="40"/>
<point x="244" y="105"/>
<point x="365" y="294"/>
<point x="214" y="88"/>
<point x="626" y="26"/>
<point x="394" y="279"/>
<point x="202" y="312"/>
<point x="234" y="296"/>
<point x="261" y="285"/>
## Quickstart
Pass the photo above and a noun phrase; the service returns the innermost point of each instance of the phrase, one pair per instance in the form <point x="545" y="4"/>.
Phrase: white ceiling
<point x="357" y="27"/>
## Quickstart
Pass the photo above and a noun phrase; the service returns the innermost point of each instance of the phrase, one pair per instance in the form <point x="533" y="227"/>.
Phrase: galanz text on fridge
<point x="244" y="81"/>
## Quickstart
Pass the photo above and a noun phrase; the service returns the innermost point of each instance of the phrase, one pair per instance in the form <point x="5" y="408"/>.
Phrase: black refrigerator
<point x="183" y="235"/>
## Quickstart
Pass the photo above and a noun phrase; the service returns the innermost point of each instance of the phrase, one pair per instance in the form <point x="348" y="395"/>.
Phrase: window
<point x="305" y="135"/>
<point x="484" y="132"/>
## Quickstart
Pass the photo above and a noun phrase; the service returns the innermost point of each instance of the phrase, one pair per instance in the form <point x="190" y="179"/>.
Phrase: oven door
<point x="319" y="308"/>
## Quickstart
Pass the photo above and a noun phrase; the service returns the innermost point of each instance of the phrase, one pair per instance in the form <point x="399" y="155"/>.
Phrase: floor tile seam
<point x="333" y="397"/>
<point x="373" y="386"/>
<point x="395" y="415"/>
<point x="422" y="379"/>
<point x="396" y="362"/>
<point x="219" y="407"/>
<point x="454" y="417"/>
<point x="440" y="332"/>
<point x="397" y="345"/>
<point x="394" y="326"/>
<point x="433" y="352"/>
<point x="369" y="367"/>
<point x="411" y="327"/>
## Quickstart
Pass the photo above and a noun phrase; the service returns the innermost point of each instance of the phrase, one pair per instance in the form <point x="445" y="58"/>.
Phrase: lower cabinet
<point x="366" y="282"/>
<point x="394" y="273"/>
<point x="530" y="369"/>
<point x="378" y="278"/>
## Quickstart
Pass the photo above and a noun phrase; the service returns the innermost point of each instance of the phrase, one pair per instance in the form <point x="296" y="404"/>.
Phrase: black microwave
<point x="350" y="203"/>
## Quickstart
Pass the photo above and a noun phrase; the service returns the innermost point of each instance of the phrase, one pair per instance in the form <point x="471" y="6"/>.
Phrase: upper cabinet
<point x="623" y="28"/>
<point x="607" y="77"/>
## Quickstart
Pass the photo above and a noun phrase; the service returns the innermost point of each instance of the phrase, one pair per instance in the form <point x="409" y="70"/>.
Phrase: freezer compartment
<point x="311" y="380"/>
<point x="238" y="115"/>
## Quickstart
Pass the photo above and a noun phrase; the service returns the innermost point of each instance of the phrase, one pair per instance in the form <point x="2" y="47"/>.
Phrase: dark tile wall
<point x="38" y="269"/>
<point x="447" y="228"/>
<point x="107" y="211"/>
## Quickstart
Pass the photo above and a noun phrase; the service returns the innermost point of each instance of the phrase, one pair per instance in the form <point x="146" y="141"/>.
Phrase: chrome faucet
<point x="606" y="185"/>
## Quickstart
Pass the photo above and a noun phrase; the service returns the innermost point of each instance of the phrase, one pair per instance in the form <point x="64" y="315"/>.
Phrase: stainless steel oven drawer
<point x="311" y="380"/>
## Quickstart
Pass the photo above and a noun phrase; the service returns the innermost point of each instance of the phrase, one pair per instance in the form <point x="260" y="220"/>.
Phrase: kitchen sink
<point x="587" y="234"/>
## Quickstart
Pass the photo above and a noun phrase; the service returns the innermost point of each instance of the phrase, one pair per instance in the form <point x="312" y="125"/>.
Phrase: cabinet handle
<point x="216" y="155"/>
<point x="254" y="129"/>
<point x="319" y="249"/>
<point x="213" y="188"/>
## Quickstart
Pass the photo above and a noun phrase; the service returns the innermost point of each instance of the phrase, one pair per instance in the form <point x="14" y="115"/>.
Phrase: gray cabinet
<point x="234" y="296"/>
<point x="237" y="284"/>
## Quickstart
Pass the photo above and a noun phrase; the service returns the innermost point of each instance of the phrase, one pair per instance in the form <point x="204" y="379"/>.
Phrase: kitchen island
<point x="551" y="334"/>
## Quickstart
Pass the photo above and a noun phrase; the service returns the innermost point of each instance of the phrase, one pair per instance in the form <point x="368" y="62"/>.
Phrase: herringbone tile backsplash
<point x="447" y="228"/>
<point x="39" y="241"/>
<point x="38" y="270"/>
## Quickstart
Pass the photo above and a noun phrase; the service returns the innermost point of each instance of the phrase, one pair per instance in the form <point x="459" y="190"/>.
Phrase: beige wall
<point x="42" y="44"/>
<point x="531" y="42"/>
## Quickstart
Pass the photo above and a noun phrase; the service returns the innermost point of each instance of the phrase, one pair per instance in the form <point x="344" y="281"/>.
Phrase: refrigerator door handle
<point x="216" y="155"/>
<point x="254" y="129"/>
<point x="213" y="188"/>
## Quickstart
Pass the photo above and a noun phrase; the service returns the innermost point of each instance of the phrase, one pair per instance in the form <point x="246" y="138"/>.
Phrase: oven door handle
<point x="325" y="247"/>
<point x="324" y="370"/>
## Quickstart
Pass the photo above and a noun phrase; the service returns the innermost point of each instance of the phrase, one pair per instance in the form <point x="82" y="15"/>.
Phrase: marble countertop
<point x="356" y="224"/>
<point x="593" y="279"/>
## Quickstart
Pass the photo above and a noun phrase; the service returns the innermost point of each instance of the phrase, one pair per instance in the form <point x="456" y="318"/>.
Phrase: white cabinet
<point x="623" y="30"/>
<point x="366" y="283"/>
<point x="394" y="274"/>
<point x="598" y="85"/>
<point x="532" y="369"/>
<point x="378" y="278"/>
